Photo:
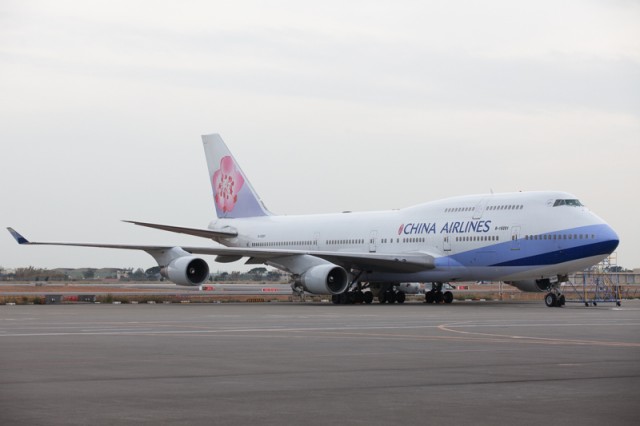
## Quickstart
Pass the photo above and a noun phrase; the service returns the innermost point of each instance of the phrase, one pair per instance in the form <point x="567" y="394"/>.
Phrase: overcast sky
<point x="356" y="105"/>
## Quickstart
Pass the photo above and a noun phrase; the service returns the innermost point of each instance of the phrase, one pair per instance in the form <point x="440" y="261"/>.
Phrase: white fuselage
<point x="511" y="236"/>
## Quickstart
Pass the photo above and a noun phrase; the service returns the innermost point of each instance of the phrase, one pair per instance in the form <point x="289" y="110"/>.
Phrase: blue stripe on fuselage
<point x="542" y="251"/>
<point x="564" y="255"/>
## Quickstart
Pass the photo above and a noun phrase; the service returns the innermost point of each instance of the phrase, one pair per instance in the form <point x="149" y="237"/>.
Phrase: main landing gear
<point x="391" y="295"/>
<point x="354" y="294"/>
<point x="352" y="297"/>
<point x="385" y="292"/>
<point x="435" y="295"/>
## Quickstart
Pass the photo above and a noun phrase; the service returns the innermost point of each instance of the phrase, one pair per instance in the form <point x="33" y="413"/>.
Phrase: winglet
<point x="19" y="238"/>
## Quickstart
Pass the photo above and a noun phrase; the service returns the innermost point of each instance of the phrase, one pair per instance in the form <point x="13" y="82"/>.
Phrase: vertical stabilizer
<point x="233" y="195"/>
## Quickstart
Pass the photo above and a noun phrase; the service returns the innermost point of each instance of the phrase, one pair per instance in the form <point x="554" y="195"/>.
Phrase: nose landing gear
<point x="554" y="299"/>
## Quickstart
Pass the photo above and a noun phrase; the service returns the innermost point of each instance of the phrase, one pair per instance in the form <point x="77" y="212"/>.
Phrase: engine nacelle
<point x="324" y="279"/>
<point x="532" y="286"/>
<point x="411" y="288"/>
<point x="186" y="270"/>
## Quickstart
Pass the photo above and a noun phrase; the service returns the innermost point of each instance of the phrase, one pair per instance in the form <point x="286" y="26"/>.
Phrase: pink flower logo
<point x="400" y="229"/>
<point x="227" y="182"/>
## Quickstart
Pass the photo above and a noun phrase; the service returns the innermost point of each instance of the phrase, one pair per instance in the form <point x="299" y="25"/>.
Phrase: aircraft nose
<point x="611" y="238"/>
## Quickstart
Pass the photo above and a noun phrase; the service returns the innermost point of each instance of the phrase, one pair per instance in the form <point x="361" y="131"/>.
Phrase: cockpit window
<point x="573" y="203"/>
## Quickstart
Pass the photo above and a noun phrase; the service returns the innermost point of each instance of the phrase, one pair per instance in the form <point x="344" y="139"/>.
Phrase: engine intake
<point x="324" y="279"/>
<point x="186" y="270"/>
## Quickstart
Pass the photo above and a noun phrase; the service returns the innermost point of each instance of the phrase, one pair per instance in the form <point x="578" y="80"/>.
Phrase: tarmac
<point x="468" y="363"/>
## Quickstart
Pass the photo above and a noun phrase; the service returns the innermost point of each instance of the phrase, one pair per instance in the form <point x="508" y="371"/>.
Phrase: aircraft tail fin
<point x="233" y="195"/>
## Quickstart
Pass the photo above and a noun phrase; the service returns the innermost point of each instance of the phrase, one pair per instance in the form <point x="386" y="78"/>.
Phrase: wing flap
<point x="206" y="233"/>
<point x="403" y="262"/>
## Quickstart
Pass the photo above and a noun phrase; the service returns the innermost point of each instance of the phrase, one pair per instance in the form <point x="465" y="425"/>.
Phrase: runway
<point x="288" y="363"/>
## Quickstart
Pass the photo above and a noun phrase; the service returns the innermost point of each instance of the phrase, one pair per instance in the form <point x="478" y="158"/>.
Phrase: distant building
<point x="107" y="273"/>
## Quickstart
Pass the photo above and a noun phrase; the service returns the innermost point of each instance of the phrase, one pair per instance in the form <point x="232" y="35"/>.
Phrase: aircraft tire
<point x="561" y="301"/>
<point x="368" y="297"/>
<point x="448" y="297"/>
<point x="550" y="300"/>
<point x="401" y="297"/>
<point x="358" y="297"/>
<point x="438" y="297"/>
<point x="390" y="296"/>
<point x="429" y="297"/>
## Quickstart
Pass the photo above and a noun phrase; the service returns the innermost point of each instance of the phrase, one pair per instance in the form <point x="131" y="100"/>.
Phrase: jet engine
<point x="411" y="288"/>
<point x="186" y="270"/>
<point x="324" y="279"/>
<point x="532" y="285"/>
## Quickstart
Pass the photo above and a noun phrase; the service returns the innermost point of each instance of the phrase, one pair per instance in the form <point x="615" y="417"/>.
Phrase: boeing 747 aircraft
<point x="531" y="240"/>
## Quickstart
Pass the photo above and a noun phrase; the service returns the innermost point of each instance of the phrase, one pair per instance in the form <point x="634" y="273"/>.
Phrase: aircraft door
<point x="373" y="241"/>
<point x="515" y="238"/>
<point x="479" y="209"/>
<point x="446" y="243"/>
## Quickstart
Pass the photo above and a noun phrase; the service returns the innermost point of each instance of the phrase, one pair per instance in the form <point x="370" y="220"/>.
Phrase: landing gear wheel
<point x="448" y="297"/>
<point x="550" y="300"/>
<point x="390" y="296"/>
<point x="561" y="301"/>
<point x="345" y="299"/>
<point x="359" y="297"/>
<point x="382" y="297"/>
<point x="439" y="297"/>
<point x="335" y="298"/>
<point x="429" y="297"/>
<point x="368" y="297"/>
<point x="400" y="297"/>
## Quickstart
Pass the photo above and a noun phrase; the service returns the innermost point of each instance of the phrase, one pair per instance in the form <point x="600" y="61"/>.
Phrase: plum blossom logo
<point x="227" y="182"/>
<point x="400" y="229"/>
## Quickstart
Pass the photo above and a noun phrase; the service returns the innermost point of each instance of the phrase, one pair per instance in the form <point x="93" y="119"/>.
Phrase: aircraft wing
<point x="400" y="262"/>
<point x="23" y="241"/>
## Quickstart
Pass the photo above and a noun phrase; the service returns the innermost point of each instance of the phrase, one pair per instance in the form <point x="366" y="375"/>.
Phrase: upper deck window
<point x="573" y="203"/>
